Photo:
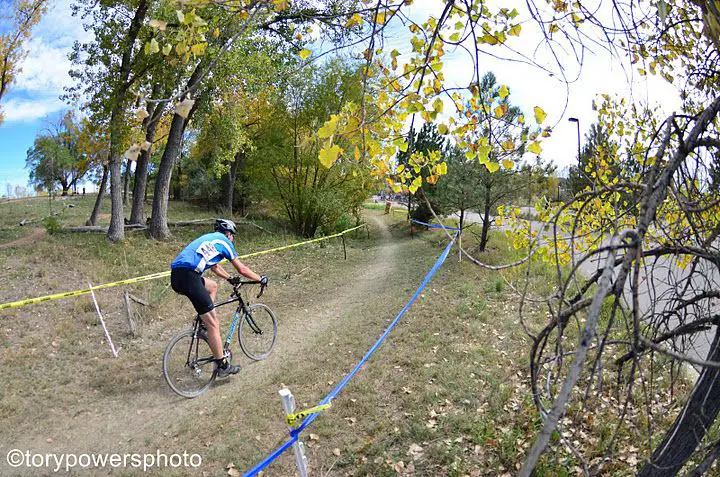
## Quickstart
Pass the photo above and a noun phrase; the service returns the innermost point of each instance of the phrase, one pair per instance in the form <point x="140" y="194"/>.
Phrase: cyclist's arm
<point x="244" y="270"/>
<point x="220" y="271"/>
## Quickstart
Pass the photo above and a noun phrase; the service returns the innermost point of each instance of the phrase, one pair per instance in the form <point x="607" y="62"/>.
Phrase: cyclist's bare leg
<point x="211" y="286"/>
<point x="213" y="331"/>
<point x="211" y="322"/>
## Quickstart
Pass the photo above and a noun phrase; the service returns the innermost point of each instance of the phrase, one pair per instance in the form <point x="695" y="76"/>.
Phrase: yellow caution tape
<point x="291" y="419"/>
<point x="58" y="296"/>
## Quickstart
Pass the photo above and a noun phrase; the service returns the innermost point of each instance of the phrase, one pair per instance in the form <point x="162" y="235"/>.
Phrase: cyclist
<point x="186" y="279"/>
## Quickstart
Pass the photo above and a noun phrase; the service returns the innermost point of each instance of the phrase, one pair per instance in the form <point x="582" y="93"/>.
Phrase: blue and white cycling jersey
<point x="204" y="252"/>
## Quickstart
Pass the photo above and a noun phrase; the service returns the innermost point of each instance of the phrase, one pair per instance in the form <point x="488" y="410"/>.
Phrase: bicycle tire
<point x="191" y="379"/>
<point x="255" y="338"/>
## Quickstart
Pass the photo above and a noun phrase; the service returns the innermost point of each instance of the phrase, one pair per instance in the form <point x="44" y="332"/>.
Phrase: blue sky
<point x="34" y="99"/>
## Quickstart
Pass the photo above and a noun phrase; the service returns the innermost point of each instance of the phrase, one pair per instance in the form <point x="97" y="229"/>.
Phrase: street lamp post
<point x="581" y="170"/>
<point x="577" y="123"/>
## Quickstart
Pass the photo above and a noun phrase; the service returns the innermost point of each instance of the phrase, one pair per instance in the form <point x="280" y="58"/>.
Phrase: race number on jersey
<point x="208" y="251"/>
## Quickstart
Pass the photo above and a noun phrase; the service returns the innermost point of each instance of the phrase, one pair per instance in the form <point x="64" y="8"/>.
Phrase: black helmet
<point x="224" y="225"/>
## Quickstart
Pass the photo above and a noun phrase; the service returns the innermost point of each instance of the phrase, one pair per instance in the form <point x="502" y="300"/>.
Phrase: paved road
<point x="657" y="291"/>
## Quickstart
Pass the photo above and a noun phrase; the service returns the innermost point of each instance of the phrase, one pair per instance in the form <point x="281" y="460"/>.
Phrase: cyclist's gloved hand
<point x="263" y="280"/>
<point x="234" y="280"/>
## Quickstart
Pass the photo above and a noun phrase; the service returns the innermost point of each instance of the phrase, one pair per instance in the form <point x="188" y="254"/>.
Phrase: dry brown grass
<point x="446" y="395"/>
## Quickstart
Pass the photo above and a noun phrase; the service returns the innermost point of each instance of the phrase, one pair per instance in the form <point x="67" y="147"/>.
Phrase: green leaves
<point x="152" y="47"/>
<point x="328" y="155"/>
<point x="329" y="127"/>
<point x="492" y="166"/>
<point x="198" y="49"/>
<point x="354" y="20"/>
<point x="503" y="92"/>
<point x="535" y="148"/>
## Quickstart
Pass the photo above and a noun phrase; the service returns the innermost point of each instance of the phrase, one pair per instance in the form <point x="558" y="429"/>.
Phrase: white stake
<point x="298" y="447"/>
<point x="102" y="322"/>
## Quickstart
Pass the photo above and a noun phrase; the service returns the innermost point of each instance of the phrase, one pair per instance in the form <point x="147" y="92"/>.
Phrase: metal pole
<point x="577" y="123"/>
<point x="581" y="171"/>
<point x="298" y="447"/>
<point x="344" y="250"/>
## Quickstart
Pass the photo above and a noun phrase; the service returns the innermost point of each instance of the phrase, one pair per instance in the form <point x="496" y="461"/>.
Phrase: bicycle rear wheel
<point x="189" y="365"/>
<point x="257" y="332"/>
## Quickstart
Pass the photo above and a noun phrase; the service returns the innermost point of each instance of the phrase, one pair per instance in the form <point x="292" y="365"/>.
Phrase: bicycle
<point x="188" y="363"/>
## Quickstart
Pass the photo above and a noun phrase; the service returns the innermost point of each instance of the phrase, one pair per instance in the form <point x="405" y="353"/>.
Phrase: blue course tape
<point x="434" y="226"/>
<point x="268" y="460"/>
<point x="294" y="433"/>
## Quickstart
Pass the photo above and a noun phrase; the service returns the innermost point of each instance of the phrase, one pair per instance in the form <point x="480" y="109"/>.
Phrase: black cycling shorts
<point x="190" y="283"/>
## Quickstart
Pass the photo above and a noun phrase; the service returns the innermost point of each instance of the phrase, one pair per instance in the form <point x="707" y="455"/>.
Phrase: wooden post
<point x="344" y="250"/>
<point x="130" y="318"/>
<point x="102" y="322"/>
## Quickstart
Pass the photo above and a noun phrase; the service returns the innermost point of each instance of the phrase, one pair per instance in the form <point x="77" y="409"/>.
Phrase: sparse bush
<point x="52" y="224"/>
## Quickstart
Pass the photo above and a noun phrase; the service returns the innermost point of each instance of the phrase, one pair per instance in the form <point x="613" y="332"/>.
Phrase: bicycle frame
<point x="199" y="356"/>
<point x="236" y="317"/>
<point x="241" y="310"/>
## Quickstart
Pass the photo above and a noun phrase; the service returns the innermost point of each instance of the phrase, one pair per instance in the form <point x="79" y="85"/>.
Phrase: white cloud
<point x="59" y="26"/>
<point x="31" y="110"/>
<point x="45" y="70"/>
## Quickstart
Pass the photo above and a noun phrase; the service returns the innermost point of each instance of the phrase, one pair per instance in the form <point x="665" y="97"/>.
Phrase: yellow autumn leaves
<point x="429" y="168"/>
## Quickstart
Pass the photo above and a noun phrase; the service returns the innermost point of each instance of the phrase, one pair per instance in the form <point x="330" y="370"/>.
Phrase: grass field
<point x="446" y="395"/>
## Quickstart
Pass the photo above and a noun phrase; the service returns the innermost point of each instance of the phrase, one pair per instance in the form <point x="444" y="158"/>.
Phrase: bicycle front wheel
<point x="257" y="332"/>
<point x="188" y="365"/>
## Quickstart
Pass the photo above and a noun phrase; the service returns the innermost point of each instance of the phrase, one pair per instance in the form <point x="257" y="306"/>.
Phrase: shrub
<point x="52" y="224"/>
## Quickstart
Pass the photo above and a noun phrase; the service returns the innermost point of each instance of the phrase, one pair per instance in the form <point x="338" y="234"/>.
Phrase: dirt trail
<point x="122" y="422"/>
<point x="23" y="240"/>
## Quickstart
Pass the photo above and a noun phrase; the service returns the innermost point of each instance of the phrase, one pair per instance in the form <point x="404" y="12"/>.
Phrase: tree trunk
<point x="690" y="426"/>
<point x="158" y="222"/>
<point x="177" y="188"/>
<point x="116" y="231"/>
<point x="230" y="183"/>
<point x="98" y="200"/>
<point x="137" y="215"/>
<point x="486" y="221"/>
<point x="126" y="183"/>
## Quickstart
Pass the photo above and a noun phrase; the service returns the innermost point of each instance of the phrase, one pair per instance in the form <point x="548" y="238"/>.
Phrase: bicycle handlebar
<point x="238" y="284"/>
